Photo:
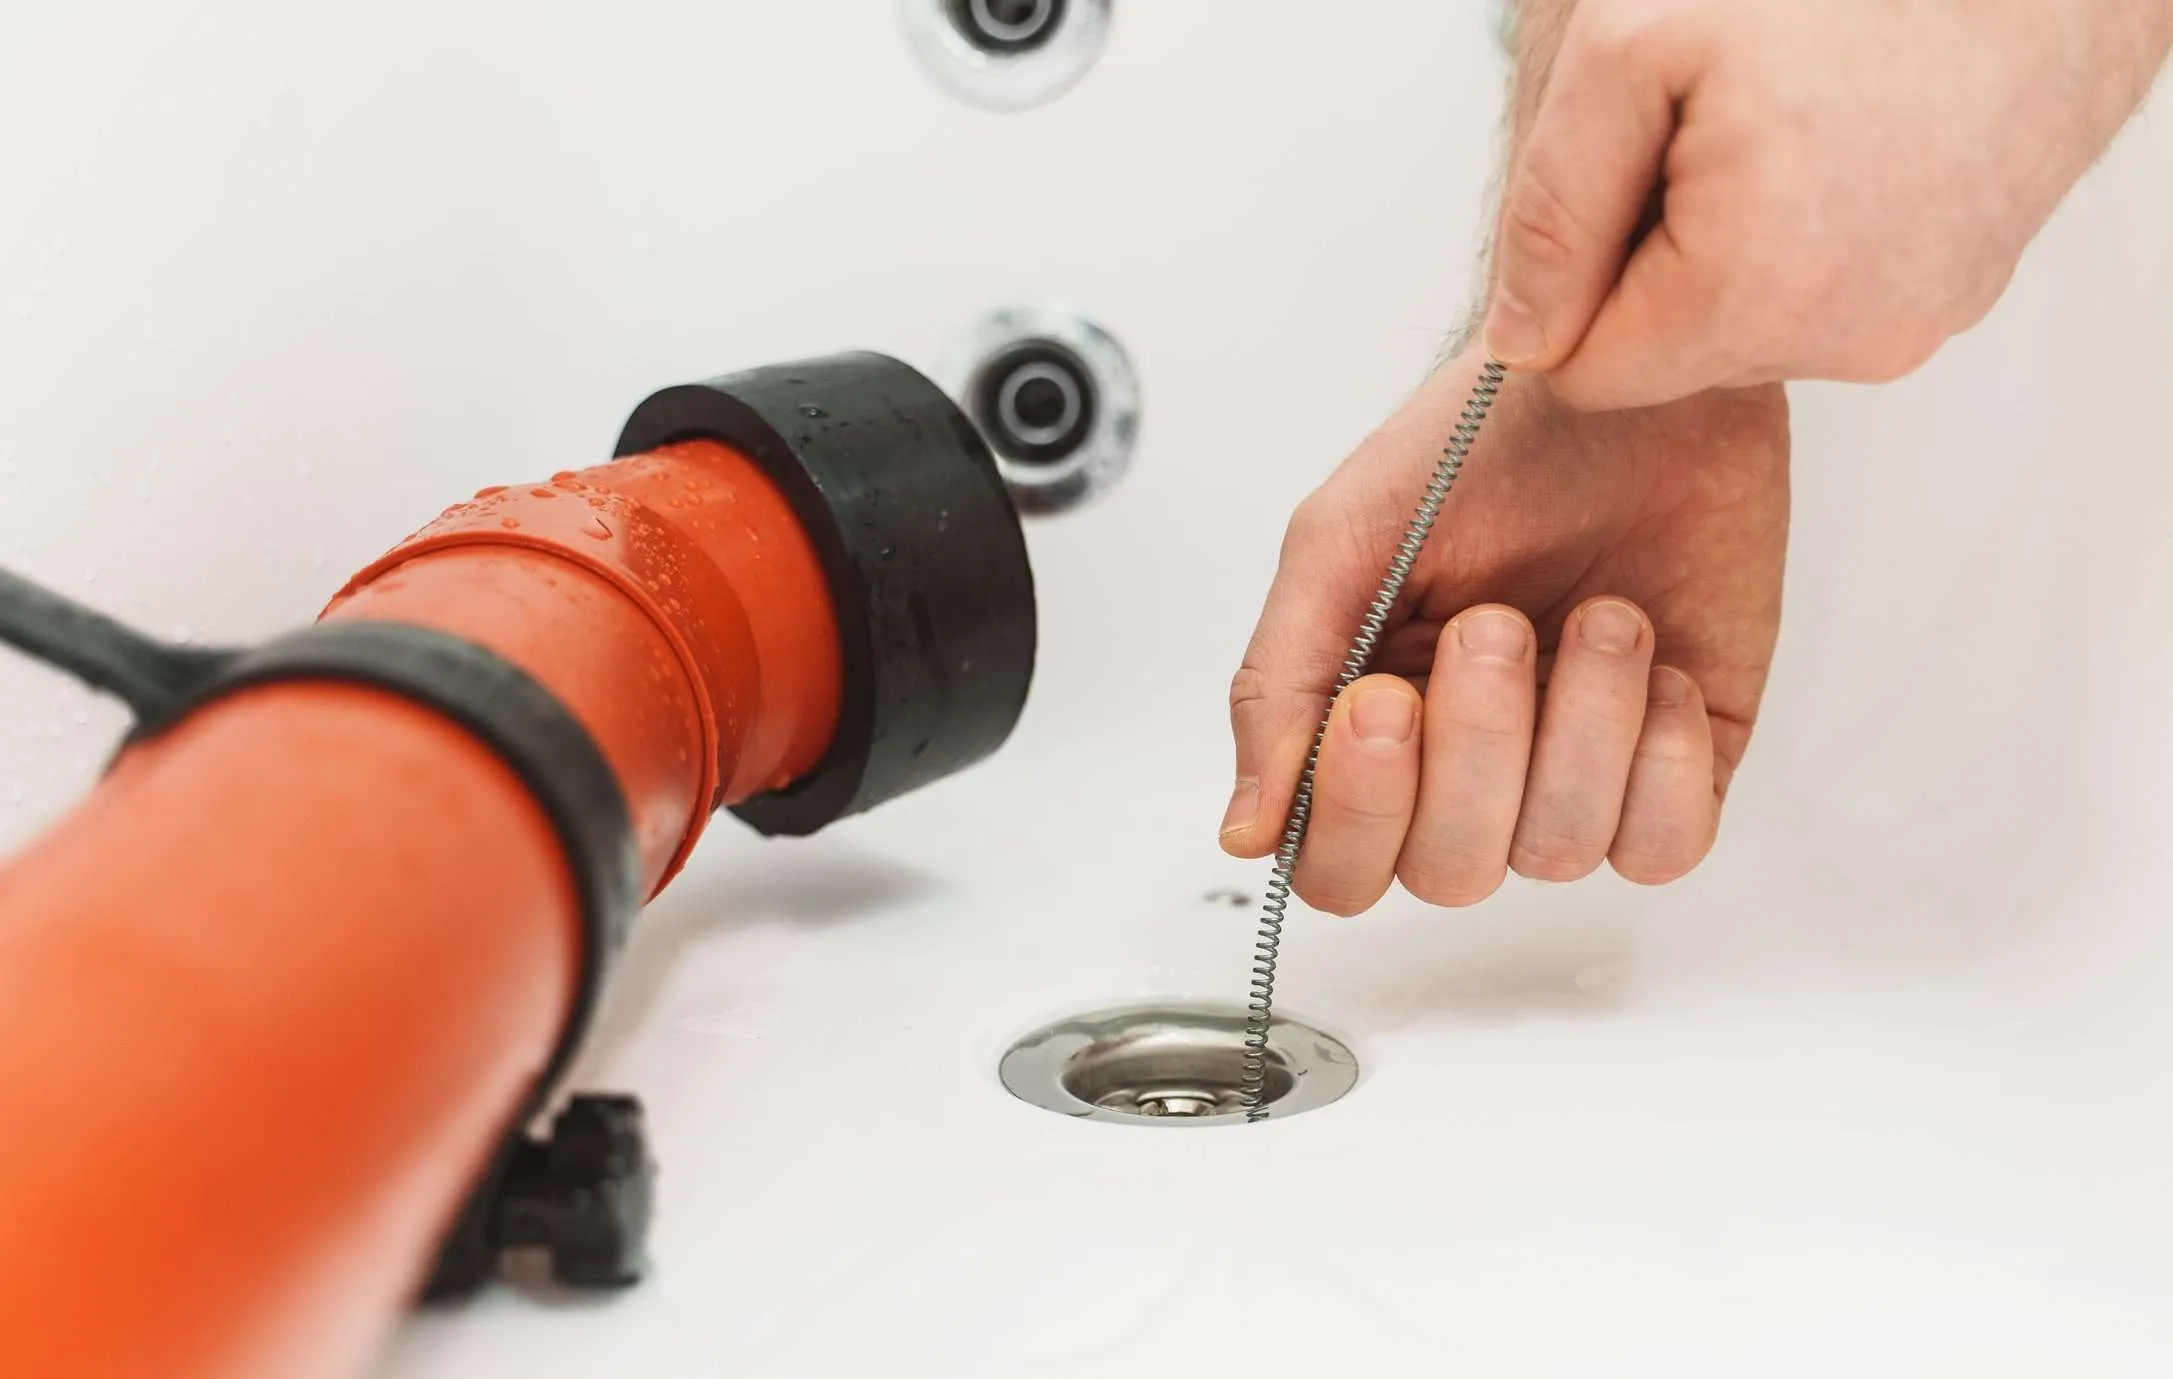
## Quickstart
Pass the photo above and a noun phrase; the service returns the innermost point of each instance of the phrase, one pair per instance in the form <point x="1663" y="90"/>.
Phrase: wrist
<point x="1756" y="413"/>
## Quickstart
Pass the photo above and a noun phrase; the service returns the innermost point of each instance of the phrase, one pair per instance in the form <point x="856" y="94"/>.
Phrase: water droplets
<point x="493" y="491"/>
<point x="812" y="412"/>
<point x="510" y="523"/>
<point x="596" y="530"/>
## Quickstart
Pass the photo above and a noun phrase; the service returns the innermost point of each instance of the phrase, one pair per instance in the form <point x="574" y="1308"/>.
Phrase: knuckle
<point x="1545" y="854"/>
<point x="1888" y="360"/>
<point x="1332" y="896"/>
<point x="1248" y="687"/>
<point x="1977" y="302"/>
<point x="1486" y="722"/>
<point x="1618" y="34"/>
<point x="1663" y="847"/>
<point x="1792" y="304"/>
<point x="1666" y="750"/>
<point x="1452" y="882"/>
<point x="1552" y="869"/>
<point x="1342" y="809"/>
<point x="1914" y="352"/>
<point x="1724" y="302"/>
<point x="1585" y="385"/>
<point x="1598" y="697"/>
<point x="1546" y="233"/>
<point x="1315" y="518"/>
<point x="1650" y="869"/>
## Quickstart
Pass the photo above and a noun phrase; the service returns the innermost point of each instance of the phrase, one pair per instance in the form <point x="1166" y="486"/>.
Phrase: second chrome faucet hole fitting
<point x="1055" y="396"/>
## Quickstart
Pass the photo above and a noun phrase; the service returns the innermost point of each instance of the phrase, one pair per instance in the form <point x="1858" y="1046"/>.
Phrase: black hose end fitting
<point x="926" y="563"/>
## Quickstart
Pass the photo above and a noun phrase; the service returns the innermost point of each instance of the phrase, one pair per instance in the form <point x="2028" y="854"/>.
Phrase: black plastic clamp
<point x="586" y="1192"/>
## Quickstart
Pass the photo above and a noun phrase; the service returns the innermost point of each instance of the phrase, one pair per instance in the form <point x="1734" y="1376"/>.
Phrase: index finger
<point x="1334" y="557"/>
<point x="1280" y="693"/>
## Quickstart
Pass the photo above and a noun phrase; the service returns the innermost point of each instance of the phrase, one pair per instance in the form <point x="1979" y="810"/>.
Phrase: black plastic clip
<point x="584" y="1195"/>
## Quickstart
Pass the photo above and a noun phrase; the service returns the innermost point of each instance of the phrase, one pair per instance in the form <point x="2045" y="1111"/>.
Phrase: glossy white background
<point x="1879" y="1091"/>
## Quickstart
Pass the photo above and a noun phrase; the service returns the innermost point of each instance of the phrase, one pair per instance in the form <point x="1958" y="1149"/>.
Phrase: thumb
<point x="1578" y="191"/>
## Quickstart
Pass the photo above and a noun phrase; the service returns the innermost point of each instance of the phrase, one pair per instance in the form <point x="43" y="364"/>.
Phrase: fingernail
<point x="1668" y="688"/>
<point x="1610" y="627"/>
<point x="1494" y="636"/>
<point x="1244" y="803"/>
<point x="1383" y="718"/>
<point x="1513" y="333"/>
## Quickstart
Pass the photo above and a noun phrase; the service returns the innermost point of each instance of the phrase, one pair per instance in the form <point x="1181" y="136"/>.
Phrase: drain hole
<point x="1169" y="1072"/>
<point x="1179" y="1063"/>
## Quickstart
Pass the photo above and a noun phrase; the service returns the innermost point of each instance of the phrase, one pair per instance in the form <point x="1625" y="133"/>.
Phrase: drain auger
<point x="281" y="998"/>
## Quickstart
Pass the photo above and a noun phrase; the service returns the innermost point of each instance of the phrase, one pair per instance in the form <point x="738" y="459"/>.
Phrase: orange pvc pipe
<point x="272" y="993"/>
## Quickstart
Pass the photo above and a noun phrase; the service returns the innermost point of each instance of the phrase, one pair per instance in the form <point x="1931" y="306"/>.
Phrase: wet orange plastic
<point x="270" y="995"/>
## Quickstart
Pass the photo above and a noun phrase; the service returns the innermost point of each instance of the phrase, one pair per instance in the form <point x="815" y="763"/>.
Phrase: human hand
<point x="1719" y="194"/>
<point x="1625" y="567"/>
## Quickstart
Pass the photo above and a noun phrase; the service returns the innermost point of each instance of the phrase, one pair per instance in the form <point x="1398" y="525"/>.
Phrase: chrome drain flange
<point x="1173" y="1063"/>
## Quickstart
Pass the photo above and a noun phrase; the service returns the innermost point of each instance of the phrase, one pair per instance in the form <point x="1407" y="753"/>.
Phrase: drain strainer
<point x="1172" y="1063"/>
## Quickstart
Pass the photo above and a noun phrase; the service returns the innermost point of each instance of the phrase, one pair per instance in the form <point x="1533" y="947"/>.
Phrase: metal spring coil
<point x="1252" y="1083"/>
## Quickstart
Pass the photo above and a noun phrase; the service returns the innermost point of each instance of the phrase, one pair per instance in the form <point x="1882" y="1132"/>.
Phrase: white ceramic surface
<point x="1879" y="1091"/>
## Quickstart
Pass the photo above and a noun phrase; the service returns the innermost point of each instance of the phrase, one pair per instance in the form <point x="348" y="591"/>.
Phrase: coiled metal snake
<point x="1252" y="1083"/>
